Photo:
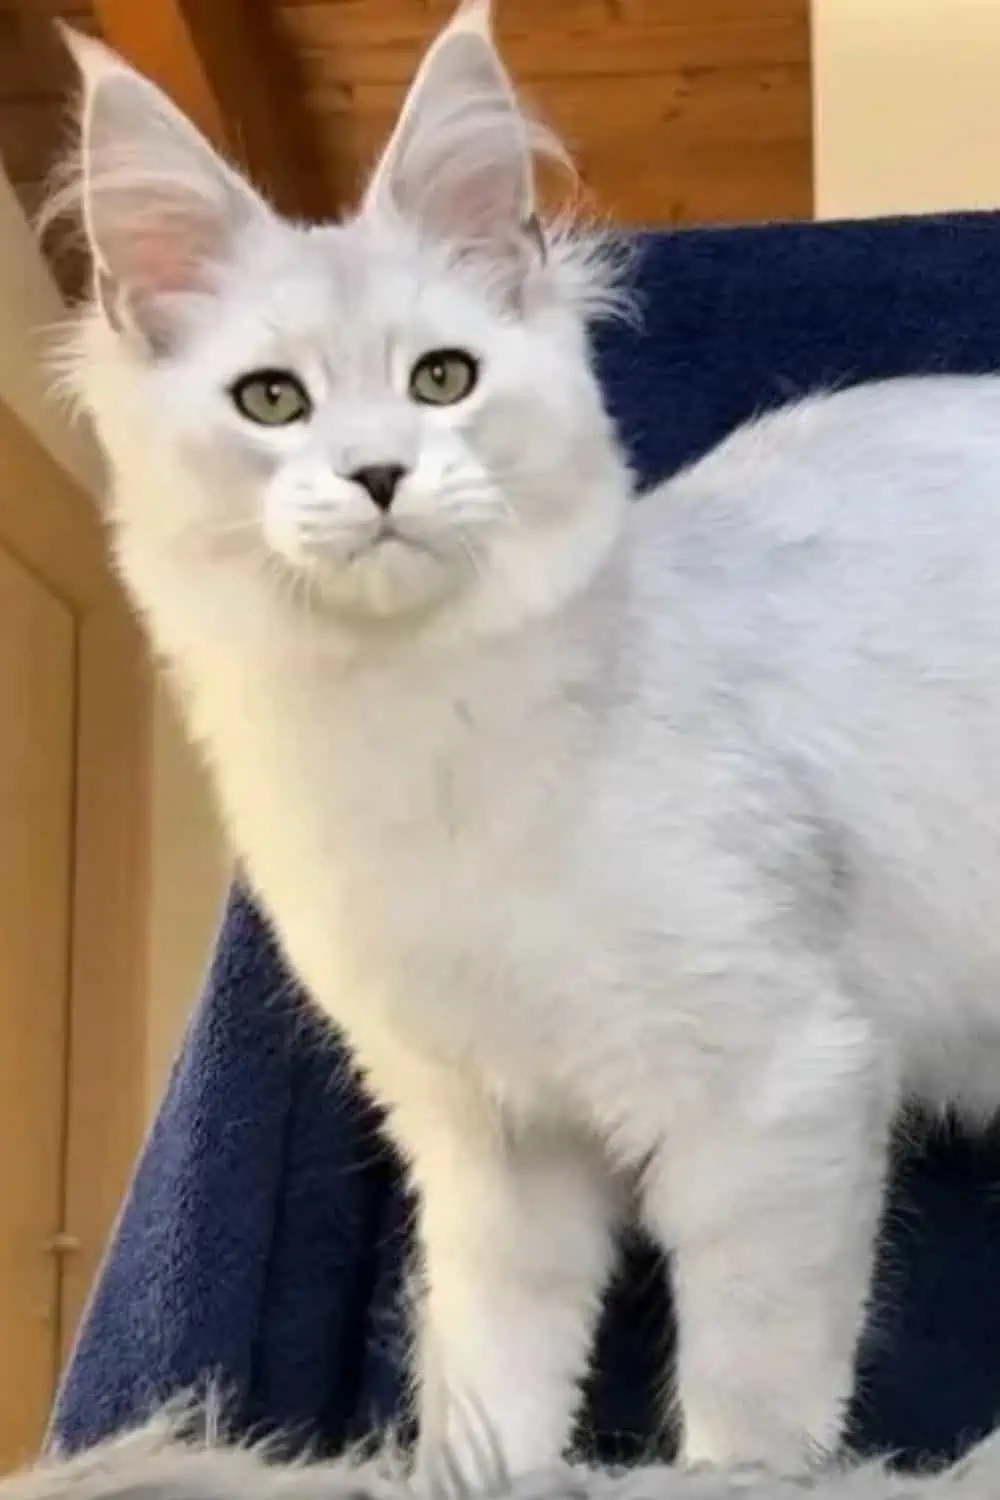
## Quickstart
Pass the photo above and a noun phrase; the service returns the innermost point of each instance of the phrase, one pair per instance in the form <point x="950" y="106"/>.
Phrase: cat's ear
<point x="459" y="162"/>
<point x="160" y="208"/>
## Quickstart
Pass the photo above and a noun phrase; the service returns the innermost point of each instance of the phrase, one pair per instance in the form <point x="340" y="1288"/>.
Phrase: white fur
<point x="648" y="856"/>
<point x="171" y="1459"/>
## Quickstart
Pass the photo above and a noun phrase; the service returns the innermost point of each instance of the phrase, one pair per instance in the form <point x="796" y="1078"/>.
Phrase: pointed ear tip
<point x="92" y="57"/>
<point x="473" y="17"/>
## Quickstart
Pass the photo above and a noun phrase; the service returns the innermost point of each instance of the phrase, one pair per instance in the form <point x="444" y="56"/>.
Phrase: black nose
<point x="380" y="480"/>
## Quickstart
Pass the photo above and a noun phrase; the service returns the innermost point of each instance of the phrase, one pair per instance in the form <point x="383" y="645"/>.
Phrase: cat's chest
<point x="399" y="845"/>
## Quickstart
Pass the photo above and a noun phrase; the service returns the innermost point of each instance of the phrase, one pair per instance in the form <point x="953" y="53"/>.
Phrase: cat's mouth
<point x="389" y="535"/>
<point x="387" y="568"/>
<point x="385" y="572"/>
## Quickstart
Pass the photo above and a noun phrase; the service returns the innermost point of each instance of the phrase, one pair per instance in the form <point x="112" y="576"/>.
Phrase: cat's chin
<point x="392" y="579"/>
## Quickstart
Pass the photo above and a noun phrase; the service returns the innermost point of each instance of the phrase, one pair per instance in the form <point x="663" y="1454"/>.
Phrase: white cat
<point x="648" y="855"/>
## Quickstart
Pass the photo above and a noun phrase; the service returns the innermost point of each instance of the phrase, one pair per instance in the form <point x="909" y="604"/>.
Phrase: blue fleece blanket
<point x="263" y="1237"/>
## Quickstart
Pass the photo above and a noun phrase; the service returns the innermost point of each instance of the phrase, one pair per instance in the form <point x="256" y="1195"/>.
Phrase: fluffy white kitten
<point x="648" y="855"/>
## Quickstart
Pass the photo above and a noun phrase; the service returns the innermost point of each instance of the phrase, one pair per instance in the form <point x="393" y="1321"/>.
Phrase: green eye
<point x="271" y="398"/>
<point x="443" y="377"/>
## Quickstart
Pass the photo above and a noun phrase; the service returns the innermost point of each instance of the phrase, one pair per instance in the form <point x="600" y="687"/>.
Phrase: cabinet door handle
<point x="62" y="1243"/>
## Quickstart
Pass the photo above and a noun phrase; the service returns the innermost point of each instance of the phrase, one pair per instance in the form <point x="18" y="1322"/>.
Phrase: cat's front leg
<point x="517" y="1236"/>
<point x="771" y="1205"/>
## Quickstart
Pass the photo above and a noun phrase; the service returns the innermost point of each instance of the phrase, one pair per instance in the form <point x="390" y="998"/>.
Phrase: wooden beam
<point x="218" y="63"/>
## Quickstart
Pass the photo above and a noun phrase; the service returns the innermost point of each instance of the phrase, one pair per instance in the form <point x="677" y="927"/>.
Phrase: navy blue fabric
<point x="264" y="1234"/>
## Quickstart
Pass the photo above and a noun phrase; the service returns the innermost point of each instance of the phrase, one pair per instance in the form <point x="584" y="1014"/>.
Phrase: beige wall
<point x="189" y="875"/>
<point x="906" y="101"/>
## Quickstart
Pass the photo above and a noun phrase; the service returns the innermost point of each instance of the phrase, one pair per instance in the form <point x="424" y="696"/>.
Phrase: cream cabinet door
<point x="72" y="860"/>
<point x="37" y="693"/>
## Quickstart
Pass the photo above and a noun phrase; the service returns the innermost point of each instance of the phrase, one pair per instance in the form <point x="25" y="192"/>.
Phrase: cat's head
<point x="371" y="421"/>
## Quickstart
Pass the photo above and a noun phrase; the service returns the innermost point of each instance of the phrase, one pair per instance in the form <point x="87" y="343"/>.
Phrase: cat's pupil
<point x="438" y="374"/>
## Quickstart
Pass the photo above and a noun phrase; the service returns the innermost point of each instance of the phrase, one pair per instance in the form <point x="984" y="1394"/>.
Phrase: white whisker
<point x="461" y="515"/>
<point x="470" y="553"/>
<point x="235" y="528"/>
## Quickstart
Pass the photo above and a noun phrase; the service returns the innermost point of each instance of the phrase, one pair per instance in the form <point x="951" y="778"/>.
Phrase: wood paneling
<point x="36" y="82"/>
<point x="677" y="111"/>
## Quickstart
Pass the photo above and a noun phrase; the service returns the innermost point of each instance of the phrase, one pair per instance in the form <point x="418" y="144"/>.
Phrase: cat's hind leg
<point x="770" y="1206"/>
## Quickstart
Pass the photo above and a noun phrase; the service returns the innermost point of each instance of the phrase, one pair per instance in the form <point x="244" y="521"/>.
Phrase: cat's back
<point x="825" y="524"/>
<point x="912" y="460"/>
<point x="819" y="604"/>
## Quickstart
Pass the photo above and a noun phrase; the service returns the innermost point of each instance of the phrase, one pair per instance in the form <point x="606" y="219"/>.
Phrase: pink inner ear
<point x="171" y="252"/>
<point x="479" y="207"/>
<point x="161" y="262"/>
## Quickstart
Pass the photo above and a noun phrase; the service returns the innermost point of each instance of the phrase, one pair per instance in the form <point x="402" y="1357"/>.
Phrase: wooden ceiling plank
<point x="216" y="61"/>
